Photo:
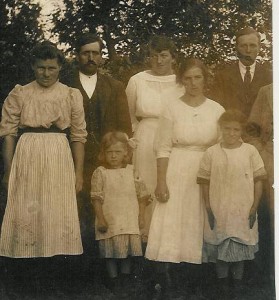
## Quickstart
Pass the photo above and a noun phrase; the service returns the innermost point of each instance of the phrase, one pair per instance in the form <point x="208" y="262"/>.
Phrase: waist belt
<point x="51" y="129"/>
<point x="190" y="148"/>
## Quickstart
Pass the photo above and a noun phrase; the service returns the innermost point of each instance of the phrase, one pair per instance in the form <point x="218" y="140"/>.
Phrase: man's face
<point x="46" y="71"/>
<point x="248" y="47"/>
<point x="89" y="58"/>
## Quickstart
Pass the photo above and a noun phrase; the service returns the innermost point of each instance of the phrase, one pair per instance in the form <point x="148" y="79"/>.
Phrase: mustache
<point x="91" y="62"/>
<point x="246" y="57"/>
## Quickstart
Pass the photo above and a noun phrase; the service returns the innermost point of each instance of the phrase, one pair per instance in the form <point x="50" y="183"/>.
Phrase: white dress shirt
<point x="242" y="69"/>
<point x="88" y="83"/>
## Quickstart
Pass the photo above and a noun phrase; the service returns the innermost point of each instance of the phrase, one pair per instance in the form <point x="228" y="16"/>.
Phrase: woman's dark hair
<point x="233" y="115"/>
<point x="112" y="138"/>
<point x="188" y="64"/>
<point x="160" y="43"/>
<point x="46" y="50"/>
<point x="88" y="38"/>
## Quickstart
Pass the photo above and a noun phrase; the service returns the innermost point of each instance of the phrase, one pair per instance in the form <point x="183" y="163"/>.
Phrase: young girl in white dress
<point x="231" y="174"/>
<point x="119" y="201"/>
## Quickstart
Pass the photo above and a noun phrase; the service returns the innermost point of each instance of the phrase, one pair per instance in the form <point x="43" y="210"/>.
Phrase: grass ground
<point x="188" y="284"/>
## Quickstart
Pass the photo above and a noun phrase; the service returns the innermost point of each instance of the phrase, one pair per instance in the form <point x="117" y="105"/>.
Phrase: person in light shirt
<point x="147" y="92"/>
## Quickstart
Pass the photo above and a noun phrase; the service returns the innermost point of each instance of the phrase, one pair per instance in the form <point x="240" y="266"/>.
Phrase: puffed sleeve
<point x="11" y="111"/>
<point x="97" y="185"/>
<point x="78" y="126"/>
<point x="259" y="172"/>
<point x="204" y="172"/>
<point x="131" y="92"/>
<point x="163" y="136"/>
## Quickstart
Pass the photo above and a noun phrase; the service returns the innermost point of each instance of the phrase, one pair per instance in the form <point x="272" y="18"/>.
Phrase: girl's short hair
<point x="233" y="115"/>
<point x="188" y="64"/>
<point x="112" y="138"/>
<point x="47" y="50"/>
<point x="160" y="43"/>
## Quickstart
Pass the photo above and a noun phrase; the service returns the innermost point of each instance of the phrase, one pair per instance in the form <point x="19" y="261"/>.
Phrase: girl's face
<point x="193" y="81"/>
<point x="115" y="155"/>
<point x="231" y="133"/>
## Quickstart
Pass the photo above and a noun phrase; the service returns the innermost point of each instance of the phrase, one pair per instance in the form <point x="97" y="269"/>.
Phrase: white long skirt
<point x="176" y="230"/>
<point x="41" y="217"/>
<point x="144" y="161"/>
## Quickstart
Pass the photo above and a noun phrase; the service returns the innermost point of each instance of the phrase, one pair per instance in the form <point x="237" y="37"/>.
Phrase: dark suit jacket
<point x="105" y="111"/>
<point x="228" y="88"/>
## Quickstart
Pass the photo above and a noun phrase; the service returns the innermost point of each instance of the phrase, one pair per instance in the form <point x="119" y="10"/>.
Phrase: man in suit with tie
<point x="106" y="109"/>
<point x="236" y="86"/>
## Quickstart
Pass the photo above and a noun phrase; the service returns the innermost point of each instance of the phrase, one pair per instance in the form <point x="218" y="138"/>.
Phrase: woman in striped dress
<point x="43" y="172"/>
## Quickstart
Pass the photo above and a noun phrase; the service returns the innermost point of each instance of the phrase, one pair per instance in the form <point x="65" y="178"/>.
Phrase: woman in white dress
<point x="145" y="93"/>
<point x="188" y="126"/>
<point x="42" y="172"/>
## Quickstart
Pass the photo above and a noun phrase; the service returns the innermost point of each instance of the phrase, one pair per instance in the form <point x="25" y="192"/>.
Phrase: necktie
<point x="247" y="76"/>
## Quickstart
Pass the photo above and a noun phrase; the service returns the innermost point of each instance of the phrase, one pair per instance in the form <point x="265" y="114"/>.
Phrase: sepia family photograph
<point x="137" y="150"/>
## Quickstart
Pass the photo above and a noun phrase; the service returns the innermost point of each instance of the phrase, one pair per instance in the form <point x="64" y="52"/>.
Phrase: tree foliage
<point x="201" y="28"/>
<point x="19" y="31"/>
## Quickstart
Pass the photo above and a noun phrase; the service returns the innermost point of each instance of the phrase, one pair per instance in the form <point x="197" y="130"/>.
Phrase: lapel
<point x="77" y="84"/>
<point x="102" y="94"/>
<point x="235" y="79"/>
<point x="257" y="79"/>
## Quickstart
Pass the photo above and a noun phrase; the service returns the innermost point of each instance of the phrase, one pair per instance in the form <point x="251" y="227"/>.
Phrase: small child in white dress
<point x="231" y="174"/>
<point x="119" y="200"/>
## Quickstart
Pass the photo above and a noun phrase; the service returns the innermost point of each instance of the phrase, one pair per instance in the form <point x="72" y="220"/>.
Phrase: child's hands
<point x="252" y="217"/>
<point x="211" y="218"/>
<point x="141" y="221"/>
<point x="102" y="226"/>
<point x="162" y="193"/>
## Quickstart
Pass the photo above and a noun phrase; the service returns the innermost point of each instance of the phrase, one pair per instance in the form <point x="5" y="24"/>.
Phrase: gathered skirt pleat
<point x="41" y="217"/>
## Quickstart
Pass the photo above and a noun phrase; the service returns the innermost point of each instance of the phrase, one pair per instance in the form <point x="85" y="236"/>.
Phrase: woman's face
<point x="161" y="62"/>
<point x="193" y="81"/>
<point x="46" y="71"/>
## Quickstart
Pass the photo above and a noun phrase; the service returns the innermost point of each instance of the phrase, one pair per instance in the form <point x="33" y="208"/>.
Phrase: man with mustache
<point x="236" y="86"/>
<point x="106" y="109"/>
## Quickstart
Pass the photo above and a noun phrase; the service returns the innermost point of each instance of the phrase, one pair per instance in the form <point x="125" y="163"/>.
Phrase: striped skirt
<point x="229" y="251"/>
<point x="41" y="217"/>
